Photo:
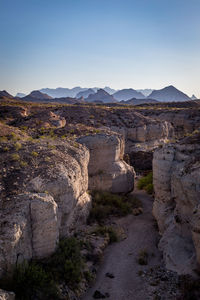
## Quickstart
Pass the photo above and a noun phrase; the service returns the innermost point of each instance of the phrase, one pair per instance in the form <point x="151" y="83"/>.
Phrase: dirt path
<point x="120" y="258"/>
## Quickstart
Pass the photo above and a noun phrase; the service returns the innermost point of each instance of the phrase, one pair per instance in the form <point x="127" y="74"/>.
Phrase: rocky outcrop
<point x="6" y="295"/>
<point x="48" y="205"/>
<point x="107" y="170"/>
<point x="183" y="120"/>
<point x="176" y="170"/>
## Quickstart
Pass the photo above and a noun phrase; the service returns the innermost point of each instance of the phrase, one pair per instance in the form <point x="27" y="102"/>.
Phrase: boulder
<point x="4" y="295"/>
<point x="107" y="170"/>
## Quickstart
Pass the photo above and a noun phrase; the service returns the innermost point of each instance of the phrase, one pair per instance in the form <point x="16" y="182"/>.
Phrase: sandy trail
<point x="120" y="258"/>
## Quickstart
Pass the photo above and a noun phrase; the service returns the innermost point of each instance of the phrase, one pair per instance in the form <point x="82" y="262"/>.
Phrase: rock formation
<point x="176" y="170"/>
<point x="45" y="206"/>
<point x="6" y="295"/>
<point x="107" y="170"/>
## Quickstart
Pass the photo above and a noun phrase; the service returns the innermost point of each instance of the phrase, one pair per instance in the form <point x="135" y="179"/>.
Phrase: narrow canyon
<point x="74" y="172"/>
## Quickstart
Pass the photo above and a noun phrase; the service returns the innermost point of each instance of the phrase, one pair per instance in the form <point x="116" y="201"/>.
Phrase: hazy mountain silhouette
<point x="109" y="90"/>
<point x="135" y="101"/>
<point x="126" y="94"/>
<point x="194" y="97"/>
<point x="20" y="95"/>
<point x="169" y="94"/>
<point x="145" y="92"/>
<point x="36" y="95"/>
<point x="101" y="96"/>
<point x="63" y="92"/>
<point x="5" y="94"/>
<point x="85" y="94"/>
<point x="66" y="92"/>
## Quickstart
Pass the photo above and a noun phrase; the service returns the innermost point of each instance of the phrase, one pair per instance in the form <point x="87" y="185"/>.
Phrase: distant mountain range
<point x="145" y="92"/>
<point x="35" y="96"/>
<point x="86" y="93"/>
<point x="106" y="95"/>
<point x="63" y="92"/>
<point x="74" y="92"/>
<point x="135" y="101"/>
<point x="20" y="95"/>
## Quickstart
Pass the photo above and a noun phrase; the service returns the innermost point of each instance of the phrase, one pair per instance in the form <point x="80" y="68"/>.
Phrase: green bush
<point x="142" y="257"/>
<point x="31" y="281"/>
<point x="105" y="204"/>
<point x="40" y="279"/>
<point x="66" y="263"/>
<point x="149" y="188"/>
<point x="15" y="157"/>
<point x="146" y="183"/>
<point x="107" y="230"/>
<point x="17" y="146"/>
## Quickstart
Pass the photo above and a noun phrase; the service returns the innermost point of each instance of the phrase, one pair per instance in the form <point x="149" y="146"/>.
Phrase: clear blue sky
<point x="120" y="43"/>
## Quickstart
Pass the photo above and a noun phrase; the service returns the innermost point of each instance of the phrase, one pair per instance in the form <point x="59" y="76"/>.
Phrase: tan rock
<point x="55" y="201"/>
<point x="4" y="295"/>
<point x="107" y="170"/>
<point x="176" y="170"/>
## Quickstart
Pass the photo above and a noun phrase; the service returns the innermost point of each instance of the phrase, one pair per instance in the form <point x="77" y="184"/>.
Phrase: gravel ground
<point x="132" y="281"/>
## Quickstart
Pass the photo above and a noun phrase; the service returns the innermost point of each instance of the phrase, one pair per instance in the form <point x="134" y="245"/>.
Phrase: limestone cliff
<point x="42" y="202"/>
<point x="107" y="169"/>
<point x="176" y="170"/>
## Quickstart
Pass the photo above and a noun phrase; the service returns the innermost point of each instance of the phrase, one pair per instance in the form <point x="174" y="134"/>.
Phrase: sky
<point x="117" y="43"/>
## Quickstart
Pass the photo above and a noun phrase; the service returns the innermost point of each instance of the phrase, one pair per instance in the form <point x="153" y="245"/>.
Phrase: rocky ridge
<point x="176" y="170"/>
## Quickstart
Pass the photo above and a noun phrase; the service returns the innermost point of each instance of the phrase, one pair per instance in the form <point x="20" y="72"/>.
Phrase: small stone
<point x="110" y="275"/>
<point x="98" y="295"/>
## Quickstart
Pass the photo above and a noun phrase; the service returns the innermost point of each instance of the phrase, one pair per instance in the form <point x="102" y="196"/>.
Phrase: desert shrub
<point x="40" y="279"/>
<point x="34" y="154"/>
<point x="66" y="263"/>
<point x="3" y="139"/>
<point x="31" y="281"/>
<point x="23" y="163"/>
<point x="146" y="183"/>
<point x="142" y="257"/>
<point x="15" y="157"/>
<point x="149" y="188"/>
<point x="107" y="230"/>
<point x="105" y="204"/>
<point x="17" y="146"/>
<point x="13" y="136"/>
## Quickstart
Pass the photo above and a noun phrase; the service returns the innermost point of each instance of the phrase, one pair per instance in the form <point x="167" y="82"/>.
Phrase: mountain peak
<point x="4" y="93"/>
<point x="37" y="95"/>
<point x="127" y="94"/>
<point x="102" y="96"/>
<point x="169" y="94"/>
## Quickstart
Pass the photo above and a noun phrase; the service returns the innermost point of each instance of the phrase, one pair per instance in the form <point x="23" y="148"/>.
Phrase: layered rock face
<point x="48" y="205"/>
<point x="176" y="170"/>
<point x="107" y="170"/>
<point x="6" y="295"/>
<point x="184" y="121"/>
